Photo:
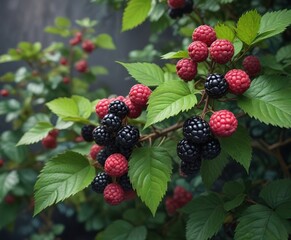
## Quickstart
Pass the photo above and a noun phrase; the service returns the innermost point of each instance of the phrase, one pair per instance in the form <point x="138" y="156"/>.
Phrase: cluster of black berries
<point x="179" y="7"/>
<point x="198" y="144"/>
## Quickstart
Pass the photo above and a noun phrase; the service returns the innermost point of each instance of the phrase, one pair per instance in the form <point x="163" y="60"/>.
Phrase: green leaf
<point x="284" y="53"/>
<point x="233" y="188"/>
<point x="206" y="218"/>
<point x="148" y="74"/>
<point x="87" y="23"/>
<point x="238" y="146"/>
<point x="179" y="54"/>
<point x="10" y="211"/>
<point x="61" y="177"/>
<point x="235" y="202"/>
<point x="104" y="41"/>
<point x="238" y="45"/>
<point x="149" y="171"/>
<point x="62" y="22"/>
<point x="260" y="222"/>
<point x="135" y="13"/>
<point x="35" y="134"/>
<point x="99" y="70"/>
<point x="248" y="26"/>
<point x="212" y="169"/>
<point x="273" y="23"/>
<point x="268" y="100"/>
<point x="224" y="32"/>
<point x="169" y="99"/>
<point x="7" y="182"/>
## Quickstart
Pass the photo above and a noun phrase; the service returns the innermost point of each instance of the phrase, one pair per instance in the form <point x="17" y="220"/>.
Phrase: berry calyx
<point x="221" y="51"/>
<point x="94" y="150"/>
<point x="210" y="149"/>
<point x="102" y="135"/>
<point x="238" y="81"/>
<point x="186" y="69"/>
<point x="81" y="66"/>
<point x="116" y="165"/>
<point x="111" y="122"/>
<point x="127" y="136"/>
<point x="87" y="132"/>
<point x="88" y="46"/>
<point x="49" y="142"/>
<point x="176" y="3"/>
<point x="134" y="110"/>
<point x="118" y="108"/>
<point x="188" y="151"/>
<point x="102" y="107"/>
<point x="113" y="194"/>
<point x="204" y="33"/>
<point x="139" y="94"/>
<point x="198" y="51"/>
<point x="100" y="182"/>
<point x="216" y="86"/>
<point x="252" y="65"/>
<point x="223" y="123"/>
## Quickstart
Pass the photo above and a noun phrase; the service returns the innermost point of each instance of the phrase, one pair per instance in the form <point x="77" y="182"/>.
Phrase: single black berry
<point x="216" y="86"/>
<point x="211" y="149"/>
<point x="111" y="148"/>
<point x="176" y="13"/>
<point x="86" y="132"/>
<point x="125" y="182"/>
<point x="190" y="168"/>
<point x="102" y="135"/>
<point x="188" y="8"/>
<point x="118" y="108"/>
<point x="111" y="122"/>
<point x="102" y="156"/>
<point x="125" y="151"/>
<point x="127" y="136"/>
<point x="100" y="182"/>
<point x="188" y="151"/>
<point x="196" y="130"/>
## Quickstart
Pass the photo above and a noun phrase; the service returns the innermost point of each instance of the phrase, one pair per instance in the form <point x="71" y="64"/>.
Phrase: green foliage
<point x="7" y="182"/>
<point x="104" y="41"/>
<point x="169" y="99"/>
<point x="149" y="171"/>
<point x="179" y="54"/>
<point x="224" y="32"/>
<point x="86" y="23"/>
<point x="62" y="176"/>
<point x="238" y="146"/>
<point x="148" y="74"/>
<point x="10" y="211"/>
<point x="260" y="222"/>
<point x="268" y="100"/>
<point x="135" y="13"/>
<point x="206" y="218"/>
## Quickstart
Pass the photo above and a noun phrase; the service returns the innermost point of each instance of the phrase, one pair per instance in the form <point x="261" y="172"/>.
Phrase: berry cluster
<point x="179" y="199"/>
<point x="50" y="141"/>
<point x="115" y="140"/>
<point x="177" y="8"/>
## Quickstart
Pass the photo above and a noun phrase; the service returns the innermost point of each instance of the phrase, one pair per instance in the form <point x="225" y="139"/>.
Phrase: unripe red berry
<point x="1" y="163"/>
<point x="64" y="61"/>
<point x="88" y="46"/>
<point x="9" y="199"/>
<point x="113" y="194"/>
<point x="186" y="69"/>
<point x="238" y="81"/>
<point x="221" y="51"/>
<point x="49" y="142"/>
<point x="204" y="33"/>
<point x="139" y="94"/>
<point x="66" y="80"/>
<point x="81" y="66"/>
<point x="176" y="3"/>
<point x="198" y="51"/>
<point x="252" y="65"/>
<point x="4" y="92"/>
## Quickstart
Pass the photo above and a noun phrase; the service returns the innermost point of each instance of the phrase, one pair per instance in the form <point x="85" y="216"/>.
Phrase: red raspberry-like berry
<point x="204" y="33"/>
<point x="238" y="81"/>
<point x="134" y="110"/>
<point x="116" y="165"/>
<point x="223" y="123"/>
<point x="221" y="51"/>
<point x="252" y="65"/>
<point x="63" y="61"/>
<point x="182" y="196"/>
<point x="9" y="199"/>
<point x="88" y="46"/>
<point x="120" y="98"/>
<point x="77" y="39"/>
<point x="171" y="206"/>
<point x="66" y="80"/>
<point x="54" y="133"/>
<point x="49" y="142"/>
<point x="139" y="94"/>
<point x="102" y="107"/>
<point x="4" y="92"/>
<point x="95" y="149"/>
<point x="81" y="66"/>
<point x="186" y="69"/>
<point x="1" y="163"/>
<point x="113" y="194"/>
<point x="176" y="3"/>
<point x="198" y="51"/>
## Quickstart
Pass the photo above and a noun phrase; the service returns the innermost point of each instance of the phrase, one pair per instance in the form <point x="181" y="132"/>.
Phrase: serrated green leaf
<point x="148" y="74"/>
<point x="169" y="99"/>
<point x="62" y="176"/>
<point x="206" y="218"/>
<point x="7" y="182"/>
<point x="238" y="146"/>
<point x="233" y="188"/>
<point x="10" y="211"/>
<point x="179" y="54"/>
<point x="273" y="23"/>
<point x="224" y="32"/>
<point x="117" y="230"/>
<point x="260" y="222"/>
<point x="268" y="100"/>
<point x="62" y="22"/>
<point x="84" y="106"/>
<point x="149" y="171"/>
<point x="135" y="13"/>
<point x="35" y="134"/>
<point x="104" y="41"/>
<point x="284" y="53"/>
<point x="248" y="26"/>
<point x="235" y="202"/>
<point x="238" y="45"/>
<point x="212" y="169"/>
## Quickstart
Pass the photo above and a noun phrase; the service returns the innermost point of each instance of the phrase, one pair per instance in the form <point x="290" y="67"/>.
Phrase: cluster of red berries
<point x="115" y="141"/>
<point x="179" y="199"/>
<point x="177" y="8"/>
<point x="50" y="141"/>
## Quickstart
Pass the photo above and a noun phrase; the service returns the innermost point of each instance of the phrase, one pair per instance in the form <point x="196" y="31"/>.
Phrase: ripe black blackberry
<point x="188" y="151"/>
<point x="190" y="168"/>
<point x="125" y="183"/>
<point x="196" y="130"/>
<point x="118" y="108"/>
<point x="127" y="136"/>
<point x="99" y="183"/>
<point x="125" y="151"/>
<point x="111" y="122"/>
<point x="102" y="135"/>
<point x="210" y="149"/>
<point x="102" y="156"/>
<point x="216" y="86"/>
<point x="188" y="8"/>
<point x="86" y="132"/>
<point x="175" y="13"/>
